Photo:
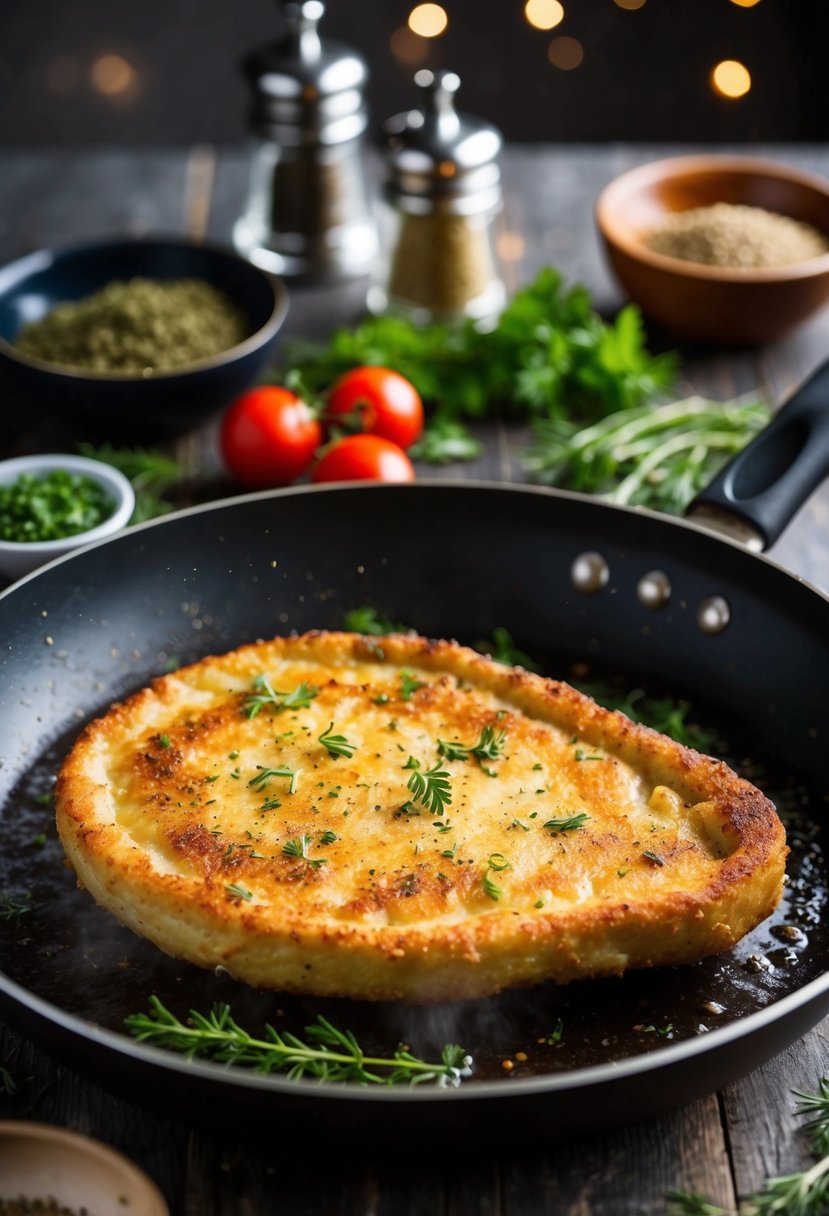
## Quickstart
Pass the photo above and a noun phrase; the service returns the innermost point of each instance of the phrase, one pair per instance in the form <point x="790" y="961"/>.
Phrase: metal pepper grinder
<point x="307" y="212"/>
<point x="442" y="193"/>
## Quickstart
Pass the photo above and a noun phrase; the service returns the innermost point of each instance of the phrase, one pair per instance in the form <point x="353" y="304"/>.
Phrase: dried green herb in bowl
<point x="137" y="327"/>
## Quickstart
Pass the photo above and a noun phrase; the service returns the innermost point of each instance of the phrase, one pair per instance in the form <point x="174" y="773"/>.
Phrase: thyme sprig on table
<point x="327" y="1053"/>
<point x="266" y="695"/>
<point x="805" y="1193"/>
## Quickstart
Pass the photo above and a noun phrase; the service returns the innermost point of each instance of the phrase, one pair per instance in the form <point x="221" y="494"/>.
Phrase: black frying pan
<point x="566" y="575"/>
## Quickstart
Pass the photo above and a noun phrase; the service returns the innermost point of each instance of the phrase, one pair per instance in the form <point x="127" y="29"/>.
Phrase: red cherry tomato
<point x="379" y="401"/>
<point x="268" y="437"/>
<point x="364" y="458"/>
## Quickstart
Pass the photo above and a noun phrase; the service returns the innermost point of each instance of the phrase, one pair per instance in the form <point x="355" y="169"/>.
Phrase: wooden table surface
<point x="722" y="1146"/>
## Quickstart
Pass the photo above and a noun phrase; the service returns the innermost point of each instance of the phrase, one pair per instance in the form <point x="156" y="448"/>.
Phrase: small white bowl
<point x="19" y="557"/>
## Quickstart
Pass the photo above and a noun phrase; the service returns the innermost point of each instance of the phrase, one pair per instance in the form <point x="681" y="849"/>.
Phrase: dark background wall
<point x="165" y="71"/>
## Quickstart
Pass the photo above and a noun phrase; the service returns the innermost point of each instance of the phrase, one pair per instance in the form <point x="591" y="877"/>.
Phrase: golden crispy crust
<point x="350" y="884"/>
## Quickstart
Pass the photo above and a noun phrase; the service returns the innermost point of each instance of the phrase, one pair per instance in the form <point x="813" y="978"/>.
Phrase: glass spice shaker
<point x="442" y="193"/>
<point x="307" y="212"/>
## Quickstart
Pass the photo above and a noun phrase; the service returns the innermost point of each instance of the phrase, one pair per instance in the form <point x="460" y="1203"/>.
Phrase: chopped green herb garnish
<point x="336" y="745"/>
<point x="489" y="746"/>
<point x="267" y="774"/>
<point x="265" y="694"/>
<point x="299" y="848"/>
<point x="503" y="650"/>
<point x="557" y="1033"/>
<point x="409" y="685"/>
<point x="567" y="824"/>
<point x="431" y="787"/>
<point x="234" y="891"/>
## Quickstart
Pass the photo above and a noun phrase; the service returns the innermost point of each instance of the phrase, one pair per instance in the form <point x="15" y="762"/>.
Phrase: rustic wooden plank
<point x="766" y="1140"/>
<point x="623" y="1172"/>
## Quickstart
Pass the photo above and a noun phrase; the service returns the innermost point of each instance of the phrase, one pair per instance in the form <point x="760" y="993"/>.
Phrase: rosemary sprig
<point x="265" y="694"/>
<point x="431" y="787"/>
<point x="328" y="1055"/>
<point x="489" y="746"/>
<point x="336" y="745"/>
<point x="568" y="823"/>
<point x="805" y="1193"/>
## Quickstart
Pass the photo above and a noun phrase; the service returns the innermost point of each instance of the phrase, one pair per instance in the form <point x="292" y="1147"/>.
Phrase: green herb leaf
<point x="368" y="620"/>
<point x="299" y="848"/>
<point x="409" y="685"/>
<point x="549" y="355"/>
<point x="502" y="649"/>
<point x="336" y="745"/>
<point x="654" y="456"/>
<point x="431" y="787"/>
<point x="265" y="694"/>
<point x="445" y="441"/>
<point x="329" y="1054"/>
<point x="489" y="746"/>
<point x="234" y="891"/>
<point x="267" y="774"/>
<point x="567" y="823"/>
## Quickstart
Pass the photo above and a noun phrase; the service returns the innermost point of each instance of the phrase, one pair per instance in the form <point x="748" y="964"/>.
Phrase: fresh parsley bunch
<point x="550" y="355"/>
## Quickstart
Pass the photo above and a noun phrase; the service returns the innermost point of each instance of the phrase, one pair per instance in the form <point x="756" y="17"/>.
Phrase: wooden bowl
<point x="714" y="304"/>
<point x="38" y="1161"/>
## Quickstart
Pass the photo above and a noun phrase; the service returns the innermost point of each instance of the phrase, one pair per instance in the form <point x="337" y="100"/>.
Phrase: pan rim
<point x="429" y="483"/>
<point x="550" y="1084"/>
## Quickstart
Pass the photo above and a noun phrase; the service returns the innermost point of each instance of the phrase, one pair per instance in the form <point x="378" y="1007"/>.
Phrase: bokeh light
<point x="113" y="76"/>
<point x="745" y="3"/>
<point x="730" y="78"/>
<point x="544" y="14"/>
<point x="407" y="47"/>
<point x="428" y="20"/>
<point x="565" y="53"/>
<point x="510" y="246"/>
<point x="630" y="5"/>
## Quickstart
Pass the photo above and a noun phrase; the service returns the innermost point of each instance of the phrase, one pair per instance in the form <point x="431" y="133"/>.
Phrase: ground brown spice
<point x="734" y="235"/>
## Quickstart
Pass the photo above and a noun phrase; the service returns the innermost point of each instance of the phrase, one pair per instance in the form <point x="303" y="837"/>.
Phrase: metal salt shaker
<point x="442" y="193"/>
<point x="307" y="212"/>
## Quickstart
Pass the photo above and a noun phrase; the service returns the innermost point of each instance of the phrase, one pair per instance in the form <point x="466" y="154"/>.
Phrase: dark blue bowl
<point x="122" y="405"/>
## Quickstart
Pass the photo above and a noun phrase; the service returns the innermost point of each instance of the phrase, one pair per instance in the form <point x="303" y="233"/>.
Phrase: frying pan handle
<point x="766" y="482"/>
